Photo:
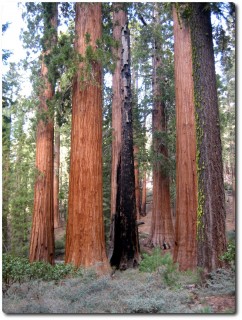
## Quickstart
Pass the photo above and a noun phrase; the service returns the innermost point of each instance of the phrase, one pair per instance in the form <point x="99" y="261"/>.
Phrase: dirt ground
<point x="145" y="228"/>
<point x="230" y="217"/>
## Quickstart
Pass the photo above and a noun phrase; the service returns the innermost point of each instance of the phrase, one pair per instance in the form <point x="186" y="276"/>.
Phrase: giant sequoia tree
<point x="57" y="221"/>
<point x="119" y="19"/>
<point x="162" y="233"/>
<point x="200" y="226"/>
<point x="211" y="200"/>
<point x="42" y="235"/>
<point x="185" y="249"/>
<point x="85" y="244"/>
<point x="124" y="247"/>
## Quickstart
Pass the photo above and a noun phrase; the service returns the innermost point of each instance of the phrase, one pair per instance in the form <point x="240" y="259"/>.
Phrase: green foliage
<point x="229" y="255"/>
<point x="15" y="269"/>
<point x="150" y="263"/>
<point x="163" y="263"/>
<point x="102" y="54"/>
<point x="206" y="309"/>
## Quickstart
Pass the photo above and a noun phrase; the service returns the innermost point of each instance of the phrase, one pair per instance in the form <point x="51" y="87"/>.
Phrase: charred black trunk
<point x="124" y="245"/>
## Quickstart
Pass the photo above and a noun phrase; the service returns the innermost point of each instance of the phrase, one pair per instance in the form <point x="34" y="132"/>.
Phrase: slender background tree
<point x="42" y="234"/>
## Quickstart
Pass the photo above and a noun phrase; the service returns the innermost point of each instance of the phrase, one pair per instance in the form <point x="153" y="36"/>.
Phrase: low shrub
<point x="151" y="263"/>
<point x="163" y="263"/>
<point x="15" y="269"/>
<point x="229" y="255"/>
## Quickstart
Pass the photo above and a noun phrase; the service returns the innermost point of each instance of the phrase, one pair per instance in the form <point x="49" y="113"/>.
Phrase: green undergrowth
<point x="16" y="269"/>
<point x="157" y="287"/>
<point x="161" y="263"/>
<point x="229" y="255"/>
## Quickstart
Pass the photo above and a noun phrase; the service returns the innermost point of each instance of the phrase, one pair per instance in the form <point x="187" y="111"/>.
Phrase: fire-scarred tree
<point x="42" y="235"/>
<point x="85" y="244"/>
<point x="124" y="245"/>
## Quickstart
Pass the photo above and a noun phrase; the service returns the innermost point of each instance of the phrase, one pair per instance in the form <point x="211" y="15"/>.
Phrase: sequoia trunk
<point x="85" y="244"/>
<point x="162" y="233"/>
<point x="143" y="201"/>
<point x="42" y="235"/>
<point x="211" y="198"/>
<point x="57" y="222"/>
<point x="185" y="251"/>
<point x="118" y="21"/>
<point x="124" y="247"/>
<point x="136" y="176"/>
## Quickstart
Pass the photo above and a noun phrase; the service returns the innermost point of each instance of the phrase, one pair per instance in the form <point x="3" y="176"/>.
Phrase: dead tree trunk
<point x="124" y="245"/>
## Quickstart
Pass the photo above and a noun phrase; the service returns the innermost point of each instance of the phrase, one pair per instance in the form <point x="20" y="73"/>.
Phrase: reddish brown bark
<point x="162" y="233"/>
<point x="136" y="175"/>
<point x="85" y="244"/>
<point x="57" y="222"/>
<point x="42" y="235"/>
<point x="118" y="21"/>
<point x="185" y="251"/>
<point x="143" y="201"/>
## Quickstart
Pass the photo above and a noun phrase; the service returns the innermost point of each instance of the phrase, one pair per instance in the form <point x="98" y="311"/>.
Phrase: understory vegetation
<point x="155" y="287"/>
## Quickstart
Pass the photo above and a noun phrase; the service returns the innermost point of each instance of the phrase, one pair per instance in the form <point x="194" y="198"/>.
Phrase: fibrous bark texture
<point x="42" y="235"/>
<point x="57" y="221"/>
<point x="85" y="243"/>
<point x="211" y="199"/>
<point x="124" y="247"/>
<point x="137" y="187"/>
<point x="143" y="200"/>
<point x="119" y="19"/>
<point x="162" y="233"/>
<point x="185" y="250"/>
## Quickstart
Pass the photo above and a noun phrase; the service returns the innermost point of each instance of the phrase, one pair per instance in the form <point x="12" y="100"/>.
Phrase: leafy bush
<point x="15" y="269"/>
<point x="60" y="244"/>
<point x="163" y="263"/>
<point x="229" y="255"/>
<point x="150" y="263"/>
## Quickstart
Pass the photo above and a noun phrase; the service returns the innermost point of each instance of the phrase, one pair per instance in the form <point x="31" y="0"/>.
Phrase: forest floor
<point x="130" y="291"/>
